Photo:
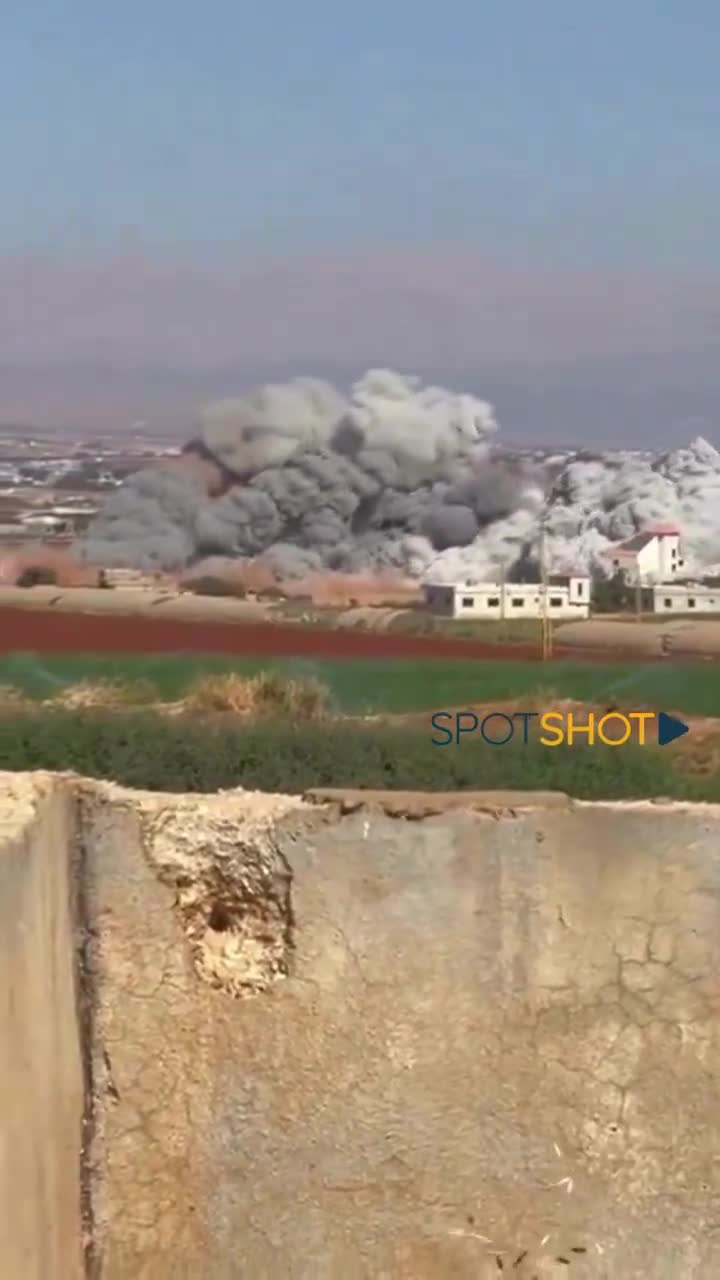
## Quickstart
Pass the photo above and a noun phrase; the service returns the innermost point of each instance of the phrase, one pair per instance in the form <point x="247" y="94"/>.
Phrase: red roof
<point x="631" y="546"/>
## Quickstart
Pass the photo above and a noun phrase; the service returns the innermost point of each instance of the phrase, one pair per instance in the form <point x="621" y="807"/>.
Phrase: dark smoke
<point x="386" y="479"/>
<point x="397" y="477"/>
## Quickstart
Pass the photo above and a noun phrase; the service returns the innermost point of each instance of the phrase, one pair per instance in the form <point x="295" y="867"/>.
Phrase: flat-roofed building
<point x="685" y="596"/>
<point x="567" y="597"/>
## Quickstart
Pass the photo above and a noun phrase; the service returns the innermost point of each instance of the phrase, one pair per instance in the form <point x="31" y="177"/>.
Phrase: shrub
<point x="612" y="595"/>
<point x="304" y="697"/>
<point x="229" y="692"/>
<point x="37" y="576"/>
<point x="268" y="693"/>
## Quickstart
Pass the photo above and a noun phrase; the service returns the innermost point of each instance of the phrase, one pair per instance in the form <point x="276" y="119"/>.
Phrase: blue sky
<point x="566" y="137"/>
<point x="322" y="122"/>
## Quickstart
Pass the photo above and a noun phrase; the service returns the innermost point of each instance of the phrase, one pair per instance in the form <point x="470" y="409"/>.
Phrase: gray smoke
<point x="397" y="476"/>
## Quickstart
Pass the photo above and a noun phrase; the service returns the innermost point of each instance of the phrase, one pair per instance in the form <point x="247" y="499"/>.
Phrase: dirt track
<point x="47" y="631"/>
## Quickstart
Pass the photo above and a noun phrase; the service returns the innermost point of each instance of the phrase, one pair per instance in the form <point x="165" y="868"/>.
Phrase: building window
<point x="555" y="602"/>
<point x="667" y="603"/>
<point x="691" y="602"/>
<point x="580" y="589"/>
<point x="673" y="553"/>
<point x="517" y="602"/>
<point x="616" y="564"/>
<point x="468" y="602"/>
<point x="493" y="602"/>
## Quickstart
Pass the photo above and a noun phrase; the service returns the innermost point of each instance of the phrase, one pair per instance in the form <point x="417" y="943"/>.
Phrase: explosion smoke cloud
<point x="397" y="477"/>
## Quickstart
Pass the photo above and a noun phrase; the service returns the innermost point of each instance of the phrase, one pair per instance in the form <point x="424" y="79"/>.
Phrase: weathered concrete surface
<point x="426" y="804"/>
<point x="333" y="1043"/>
<point x="41" y="1079"/>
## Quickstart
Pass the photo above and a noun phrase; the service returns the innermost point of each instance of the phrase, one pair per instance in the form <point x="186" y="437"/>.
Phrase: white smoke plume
<point x="397" y="477"/>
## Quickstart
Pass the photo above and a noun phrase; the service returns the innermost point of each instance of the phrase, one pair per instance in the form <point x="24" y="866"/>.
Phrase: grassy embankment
<point x="274" y="731"/>
<point x="144" y="749"/>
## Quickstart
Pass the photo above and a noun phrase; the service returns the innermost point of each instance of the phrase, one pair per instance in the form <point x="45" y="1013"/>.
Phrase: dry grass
<point x="699" y="754"/>
<point x="106" y="693"/>
<point x="11" y="697"/>
<point x="220" y="693"/>
<point x="268" y="693"/>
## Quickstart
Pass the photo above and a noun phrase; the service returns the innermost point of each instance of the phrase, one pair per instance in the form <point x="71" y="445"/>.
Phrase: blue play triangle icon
<point x="668" y="729"/>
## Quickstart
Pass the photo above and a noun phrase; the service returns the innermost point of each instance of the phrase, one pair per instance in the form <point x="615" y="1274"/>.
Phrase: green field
<point x="164" y="753"/>
<point x="397" y="686"/>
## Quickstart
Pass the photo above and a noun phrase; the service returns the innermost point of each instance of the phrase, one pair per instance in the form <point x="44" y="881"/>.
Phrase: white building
<point x="653" y="559"/>
<point x="648" y="557"/>
<point x="685" y="596"/>
<point x="566" y="598"/>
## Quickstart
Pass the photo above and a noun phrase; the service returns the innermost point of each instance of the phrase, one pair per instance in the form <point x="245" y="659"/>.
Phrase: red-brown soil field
<point x="48" y="631"/>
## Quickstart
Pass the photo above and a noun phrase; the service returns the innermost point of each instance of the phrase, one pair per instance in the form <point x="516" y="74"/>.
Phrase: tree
<point x="612" y="595"/>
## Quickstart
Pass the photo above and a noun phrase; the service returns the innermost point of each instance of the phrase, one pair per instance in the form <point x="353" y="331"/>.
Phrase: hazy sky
<point x="520" y="197"/>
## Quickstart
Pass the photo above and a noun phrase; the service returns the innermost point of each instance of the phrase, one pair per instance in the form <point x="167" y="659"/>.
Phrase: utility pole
<point x="638" y="598"/>
<point x="546" y="624"/>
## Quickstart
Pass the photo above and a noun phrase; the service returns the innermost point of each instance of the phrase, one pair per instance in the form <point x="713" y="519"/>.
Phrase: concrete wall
<point x="41" y="1076"/>
<point x="425" y="1038"/>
